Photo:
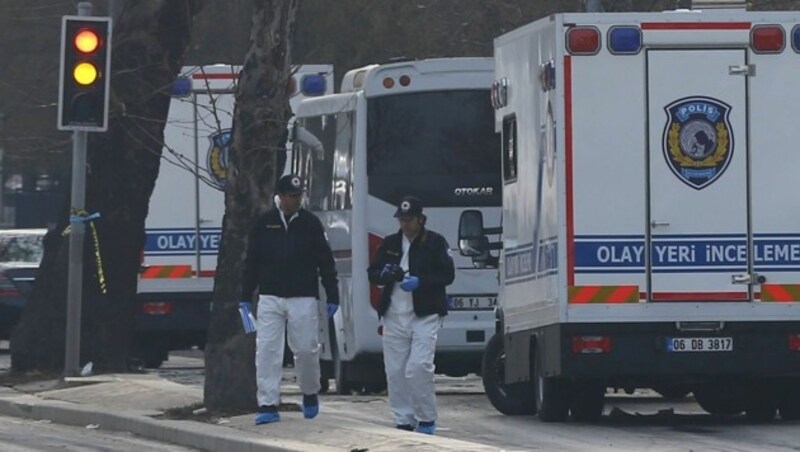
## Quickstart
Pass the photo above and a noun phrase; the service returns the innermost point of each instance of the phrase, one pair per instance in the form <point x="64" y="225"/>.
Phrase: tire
<point x="374" y="387"/>
<point x="588" y="399"/>
<point x="341" y="374"/>
<point x="789" y="401"/>
<point x="552" y="394"/>
<point x="720" y="399"/>
<point x="511" y="400"/>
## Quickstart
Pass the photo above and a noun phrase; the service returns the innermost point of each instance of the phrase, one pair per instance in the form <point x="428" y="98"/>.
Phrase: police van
<point x="420" y="128"/>
<point x="184" y="224"/>
<point x="649" y="230"/>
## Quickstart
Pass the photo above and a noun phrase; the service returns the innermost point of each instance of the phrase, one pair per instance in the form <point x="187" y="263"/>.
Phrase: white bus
<point x="423" y="128"/>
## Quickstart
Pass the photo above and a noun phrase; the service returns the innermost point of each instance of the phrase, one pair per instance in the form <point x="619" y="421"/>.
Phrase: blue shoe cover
<point x="311" y="411"/>
<point x="428" y="428"/>
<point x="267" y="418"/>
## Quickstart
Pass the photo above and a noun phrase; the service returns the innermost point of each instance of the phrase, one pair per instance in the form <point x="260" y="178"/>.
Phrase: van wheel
<point x="721" y="399"/>
<point x="552" y="394"/>
<point x="509" y="399"/>
<point x="789" y="401"/>
<point x="587" y="401"/>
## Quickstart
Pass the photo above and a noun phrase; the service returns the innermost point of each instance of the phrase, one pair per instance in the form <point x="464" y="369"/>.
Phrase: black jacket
<point x="289" y="263"/>
<point x="428" y="259"/>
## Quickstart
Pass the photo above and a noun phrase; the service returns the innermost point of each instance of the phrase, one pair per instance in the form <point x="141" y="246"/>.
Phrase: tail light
<point x="794" y="342"/>
<point x="767" y="39"/>
<point x="157" y="308"/>
<point x="583" y="40"/>
<point x="591" y="344"/>
<point x="7" y="287"/>
<point x="374" y="291"/>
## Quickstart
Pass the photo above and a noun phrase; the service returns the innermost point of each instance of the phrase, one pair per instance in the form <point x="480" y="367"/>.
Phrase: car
<point x="21" y="252"/>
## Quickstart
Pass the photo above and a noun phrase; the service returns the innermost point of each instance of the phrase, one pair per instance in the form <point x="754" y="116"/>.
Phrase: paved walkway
<point x="136" y="403"/>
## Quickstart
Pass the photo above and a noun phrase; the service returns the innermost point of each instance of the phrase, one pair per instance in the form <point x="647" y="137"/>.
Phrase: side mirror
<point x="471" y="239"/>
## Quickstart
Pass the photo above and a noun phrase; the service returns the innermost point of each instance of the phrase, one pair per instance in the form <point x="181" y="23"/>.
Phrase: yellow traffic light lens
<point x="86" y="41"/>
<point x="85" y="73"/>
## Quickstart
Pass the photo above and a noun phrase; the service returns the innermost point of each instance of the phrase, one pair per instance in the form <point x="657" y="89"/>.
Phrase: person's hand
<point x="410" y="283"/>
<point x="332" y="308"/>
<point x="386" y="273"/>
<point x="398" y="273"/>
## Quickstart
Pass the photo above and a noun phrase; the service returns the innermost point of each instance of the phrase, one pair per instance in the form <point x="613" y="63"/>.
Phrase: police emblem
<point x="698" y="140"/>
<point x="217" y="161"/>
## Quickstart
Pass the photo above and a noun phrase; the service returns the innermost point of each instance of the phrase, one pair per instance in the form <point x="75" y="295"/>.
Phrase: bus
<point x="422" y="128"/>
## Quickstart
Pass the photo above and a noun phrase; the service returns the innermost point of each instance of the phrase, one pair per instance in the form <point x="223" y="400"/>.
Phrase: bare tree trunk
<point x="259" y="129"/>
<point x="150" y="40"/>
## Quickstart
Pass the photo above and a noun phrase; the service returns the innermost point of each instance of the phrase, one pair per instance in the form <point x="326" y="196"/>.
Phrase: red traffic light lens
<point x="86" y="41"/>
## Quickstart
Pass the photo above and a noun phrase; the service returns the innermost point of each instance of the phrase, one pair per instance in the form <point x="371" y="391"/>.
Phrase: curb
<point x="184" y="433"/>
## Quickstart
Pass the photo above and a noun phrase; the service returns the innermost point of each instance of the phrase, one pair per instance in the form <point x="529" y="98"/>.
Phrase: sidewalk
<point x="136" y="402"/>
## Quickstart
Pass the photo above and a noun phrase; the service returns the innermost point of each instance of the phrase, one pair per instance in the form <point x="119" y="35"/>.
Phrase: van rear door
<point x="698" y="231"/>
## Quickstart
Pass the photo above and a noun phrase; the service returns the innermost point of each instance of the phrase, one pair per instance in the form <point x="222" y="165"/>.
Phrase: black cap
<point x="289" y="185"/>
<point x="408" y="207"/>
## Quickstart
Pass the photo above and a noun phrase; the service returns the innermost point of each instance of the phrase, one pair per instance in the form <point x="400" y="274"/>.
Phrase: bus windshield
<point x="438" y="145"/>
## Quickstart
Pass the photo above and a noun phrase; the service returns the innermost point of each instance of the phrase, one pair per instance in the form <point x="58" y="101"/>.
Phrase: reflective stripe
<point x="167" y="271"/>
<point x="603" y="294"/>
<point x="780" y="292"/>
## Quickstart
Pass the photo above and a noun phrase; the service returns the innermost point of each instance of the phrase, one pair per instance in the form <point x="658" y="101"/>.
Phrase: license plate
<point x="699" y="344"/>
<point x="472" y="302"/>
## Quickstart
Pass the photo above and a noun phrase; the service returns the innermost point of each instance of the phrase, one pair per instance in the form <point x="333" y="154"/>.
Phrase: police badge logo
<point x="217" y="161"/>
<point x="698" y="140"/>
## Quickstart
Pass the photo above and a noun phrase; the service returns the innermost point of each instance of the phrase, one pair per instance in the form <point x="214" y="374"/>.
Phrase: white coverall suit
<point x="301" y="315"/>
<point x="409" y="345"/>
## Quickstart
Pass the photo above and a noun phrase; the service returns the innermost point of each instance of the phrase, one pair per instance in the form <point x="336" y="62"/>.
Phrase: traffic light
<point x="85" y="73"/>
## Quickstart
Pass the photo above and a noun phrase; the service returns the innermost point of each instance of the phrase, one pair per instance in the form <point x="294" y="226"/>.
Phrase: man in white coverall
<point x="287" y="255"/>
<point x="413" y="266"/>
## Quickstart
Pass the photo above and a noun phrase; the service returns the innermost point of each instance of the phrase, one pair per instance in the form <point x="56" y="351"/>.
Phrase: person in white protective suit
<point x="287" y="255"/>
<point x="413" y="266"/>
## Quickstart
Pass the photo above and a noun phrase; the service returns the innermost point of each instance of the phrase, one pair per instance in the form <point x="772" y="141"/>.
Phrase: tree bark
<point x="149" y="42"/>
<point x="259" y="130"/>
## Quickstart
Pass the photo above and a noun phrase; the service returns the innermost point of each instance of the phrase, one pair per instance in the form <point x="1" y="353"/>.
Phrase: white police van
<point x="184" y="223"/>
<point x="650" y="232"/>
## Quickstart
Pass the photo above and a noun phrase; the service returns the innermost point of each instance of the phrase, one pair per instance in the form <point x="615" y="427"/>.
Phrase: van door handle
<point x="658" y="224"/>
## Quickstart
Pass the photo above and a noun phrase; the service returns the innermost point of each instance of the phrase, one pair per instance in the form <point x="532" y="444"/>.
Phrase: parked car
<point x="21" y="252"/>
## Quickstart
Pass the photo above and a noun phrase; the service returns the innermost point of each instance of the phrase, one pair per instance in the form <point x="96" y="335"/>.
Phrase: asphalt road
<point x="638" y="422"/>
<point x="23" y="435"/>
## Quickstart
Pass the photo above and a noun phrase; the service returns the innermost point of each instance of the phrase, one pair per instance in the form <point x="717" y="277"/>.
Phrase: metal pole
<point x="75" y="277"/>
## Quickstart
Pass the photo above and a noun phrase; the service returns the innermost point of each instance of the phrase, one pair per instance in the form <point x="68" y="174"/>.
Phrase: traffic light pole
<point x="77" y="228"/>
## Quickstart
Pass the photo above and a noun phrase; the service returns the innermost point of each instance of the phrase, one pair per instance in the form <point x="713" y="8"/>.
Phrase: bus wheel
<point x="587" y="401"/>
<point x="509" y="399"/>
<point x="324" y="385"/>
<point x="374" y="387"/>
<point x="344" y="384"/>
<point x="552" y="394"/>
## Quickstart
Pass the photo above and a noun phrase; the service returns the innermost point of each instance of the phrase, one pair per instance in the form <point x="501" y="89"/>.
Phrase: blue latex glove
<point x="332" y="308"/>
<point x="410" y="283"/>
<point x="246" y="314"/>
